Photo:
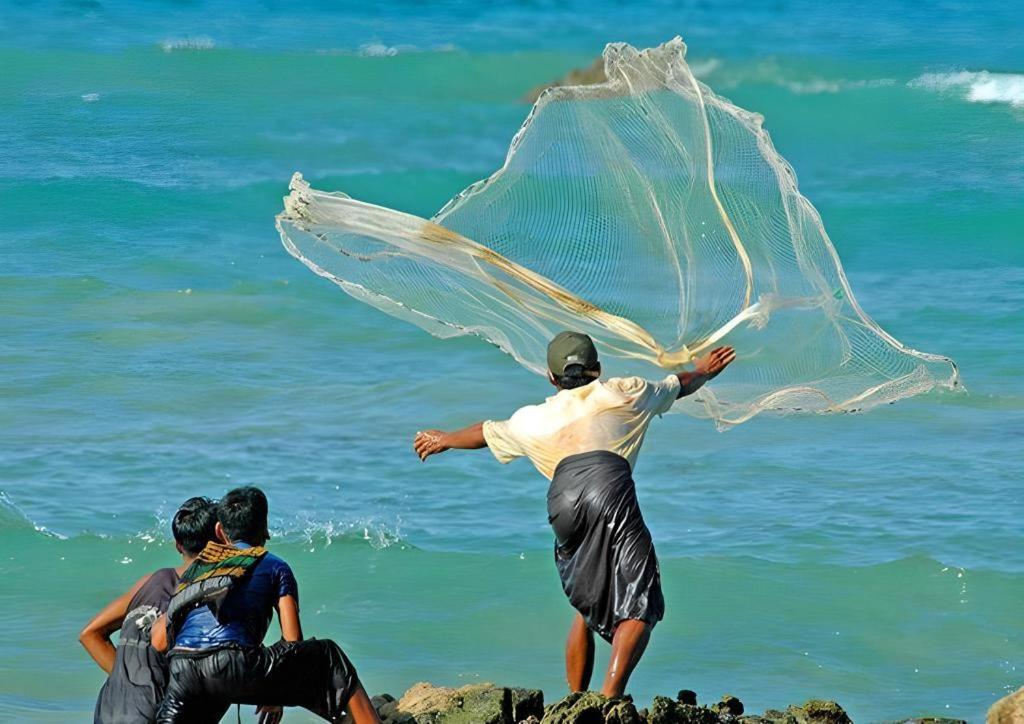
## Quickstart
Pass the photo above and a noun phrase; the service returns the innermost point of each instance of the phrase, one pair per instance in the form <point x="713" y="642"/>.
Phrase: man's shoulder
<point x="271" y="560"/>
<point x="627" y="385"/>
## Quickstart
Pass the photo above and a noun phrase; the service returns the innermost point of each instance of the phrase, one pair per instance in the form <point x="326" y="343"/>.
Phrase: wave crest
<point x="976" y="86"/>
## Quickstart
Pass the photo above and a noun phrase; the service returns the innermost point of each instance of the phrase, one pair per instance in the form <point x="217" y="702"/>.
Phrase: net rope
<point x="648" y="212"/>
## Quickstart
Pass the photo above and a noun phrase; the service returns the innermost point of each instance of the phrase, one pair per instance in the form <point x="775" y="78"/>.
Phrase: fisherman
<point x="137" y="673"/>
<point x="585" y="440"/>
<point x="216" y="623"/>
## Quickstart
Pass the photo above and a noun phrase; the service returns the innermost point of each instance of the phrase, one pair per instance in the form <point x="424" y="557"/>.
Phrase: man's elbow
<point x="86" y="635"/>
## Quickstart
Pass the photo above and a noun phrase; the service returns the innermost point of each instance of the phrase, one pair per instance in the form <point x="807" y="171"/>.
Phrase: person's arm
<point x="158" y="634"/>
<point x="291" y="630"/>
<point x="95" y="637"/>
<point x="432" y="442"/>
<point x="705" y="368"/>
<point x="288" y="615"/>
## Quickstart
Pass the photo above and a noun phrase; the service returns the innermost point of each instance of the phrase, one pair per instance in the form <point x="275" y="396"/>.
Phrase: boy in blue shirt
<point x="219" y="659"/>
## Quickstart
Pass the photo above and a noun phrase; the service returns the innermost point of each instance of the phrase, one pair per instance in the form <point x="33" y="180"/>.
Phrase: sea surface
<point x="156" y="342"/>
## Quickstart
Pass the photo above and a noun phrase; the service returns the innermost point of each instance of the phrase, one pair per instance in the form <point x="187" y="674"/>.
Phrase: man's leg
<point x="188" y="699"/>
<point x="579" y="655"/>
<point x="314" y="674"/>
<point x="360" y="708"/>
<point x="628" y="644"/>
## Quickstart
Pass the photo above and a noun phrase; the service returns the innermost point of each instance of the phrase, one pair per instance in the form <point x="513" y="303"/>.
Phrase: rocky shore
<point x="491" y="704"/>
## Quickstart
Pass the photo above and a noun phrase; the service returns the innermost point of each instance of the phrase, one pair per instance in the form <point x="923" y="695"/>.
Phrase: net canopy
<point x="649" y="213"/>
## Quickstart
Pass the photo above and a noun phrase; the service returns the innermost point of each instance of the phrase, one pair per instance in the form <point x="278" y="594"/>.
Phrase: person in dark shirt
<point x="219" y="659"/>
<point x="137" y="673"/>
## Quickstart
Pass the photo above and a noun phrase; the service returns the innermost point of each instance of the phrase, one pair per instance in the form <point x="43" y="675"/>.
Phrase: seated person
<point x="217" y="656"/>
<point x="137" y="672"/>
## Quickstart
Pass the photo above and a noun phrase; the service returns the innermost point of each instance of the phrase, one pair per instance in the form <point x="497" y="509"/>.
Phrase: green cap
<point x="571" y="348"/>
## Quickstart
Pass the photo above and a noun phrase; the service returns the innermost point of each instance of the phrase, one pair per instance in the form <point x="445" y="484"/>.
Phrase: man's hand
<point x="430" y="442"/>
<point x="714" y="361"/>
<point x="269" y="714"/>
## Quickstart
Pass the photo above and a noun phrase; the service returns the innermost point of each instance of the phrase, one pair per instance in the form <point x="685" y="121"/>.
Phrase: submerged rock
<point x="1008" y="710"/>
<point x="593" y="73"/>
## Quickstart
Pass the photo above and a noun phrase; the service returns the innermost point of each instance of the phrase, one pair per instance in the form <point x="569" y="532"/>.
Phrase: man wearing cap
<point x="585" y="439"/>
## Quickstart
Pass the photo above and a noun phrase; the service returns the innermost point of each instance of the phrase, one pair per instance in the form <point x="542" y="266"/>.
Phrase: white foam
<point x="976" y="86"/>
<point x="378" y="50"/>
<point x="703" y="68"/>
<point x="813" y="87"/>
<point x="201" y="42"/>
<point x="90" y="97"/>
<point x="382" y="50"/>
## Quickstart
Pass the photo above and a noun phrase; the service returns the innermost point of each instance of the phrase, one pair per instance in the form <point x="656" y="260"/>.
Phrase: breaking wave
<point x="976" y="86"/>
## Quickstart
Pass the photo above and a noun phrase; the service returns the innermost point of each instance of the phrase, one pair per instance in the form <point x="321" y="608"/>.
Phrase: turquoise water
<point x="157" y="342"/>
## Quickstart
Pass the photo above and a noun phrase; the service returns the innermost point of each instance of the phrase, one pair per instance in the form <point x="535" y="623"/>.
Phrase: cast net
<point x="651" y="214"/>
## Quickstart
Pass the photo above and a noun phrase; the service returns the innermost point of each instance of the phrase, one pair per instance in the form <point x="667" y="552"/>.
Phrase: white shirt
<point x="610" y="415"/>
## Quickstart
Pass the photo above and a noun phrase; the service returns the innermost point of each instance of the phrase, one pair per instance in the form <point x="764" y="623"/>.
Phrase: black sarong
<point x="603" y="550"/>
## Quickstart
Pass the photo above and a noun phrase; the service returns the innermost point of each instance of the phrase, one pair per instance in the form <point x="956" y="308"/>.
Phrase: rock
<point x="665" y="711"/>
<point x="818" y="711"/>
<point x="588" y="707"/>
<point x="1008" y="710"/>
<point x="385" y="705"/>
<point x="729" y="705"/>
<point x="527" y="704"/>
<point x="685" y="696"/>
<point x="593" y="73"/>
<point x="473" y="704"/>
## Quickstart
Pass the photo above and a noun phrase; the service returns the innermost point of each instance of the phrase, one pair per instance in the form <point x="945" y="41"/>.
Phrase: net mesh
<point x="651" y="214"/>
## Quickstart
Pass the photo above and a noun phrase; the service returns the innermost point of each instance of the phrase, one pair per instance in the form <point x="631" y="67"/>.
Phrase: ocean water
<point x="156" y="342"/>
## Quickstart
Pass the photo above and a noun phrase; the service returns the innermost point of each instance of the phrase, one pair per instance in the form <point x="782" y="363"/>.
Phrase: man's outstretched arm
<point x="432" y="442"/>
<point x="705" y="368"/>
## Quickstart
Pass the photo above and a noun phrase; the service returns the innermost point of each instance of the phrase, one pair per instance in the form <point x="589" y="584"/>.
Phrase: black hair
<point x="243" y="515"/>
<point x="575" y="376"/>
<point x="193" y="525"/>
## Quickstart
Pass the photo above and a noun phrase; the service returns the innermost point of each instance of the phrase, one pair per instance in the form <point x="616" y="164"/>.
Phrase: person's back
<point x="246" y="612"/>
<point x="138" y="673"/>
<point x="139" y="676"/>
<point x="611" y="415"/>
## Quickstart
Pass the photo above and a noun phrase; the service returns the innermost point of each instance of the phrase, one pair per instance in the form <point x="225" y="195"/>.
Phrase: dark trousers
<point x="314" y="674"/>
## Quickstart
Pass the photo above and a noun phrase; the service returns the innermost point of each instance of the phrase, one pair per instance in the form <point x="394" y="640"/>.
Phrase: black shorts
<point x="314" y="674"/>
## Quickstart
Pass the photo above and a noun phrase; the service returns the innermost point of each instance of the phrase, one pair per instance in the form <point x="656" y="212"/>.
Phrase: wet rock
<point x="1008" y="710"/>
<point x="665" y="711"/>
<point x="589" y="707"/>
<point x="593" y="73"/>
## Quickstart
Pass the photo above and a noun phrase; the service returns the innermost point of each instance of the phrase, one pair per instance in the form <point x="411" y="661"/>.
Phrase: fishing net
<point x="651" y="214"/>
